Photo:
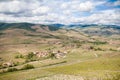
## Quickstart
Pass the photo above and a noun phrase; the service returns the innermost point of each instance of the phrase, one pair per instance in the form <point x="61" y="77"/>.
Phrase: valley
<point x="59" y="52"/>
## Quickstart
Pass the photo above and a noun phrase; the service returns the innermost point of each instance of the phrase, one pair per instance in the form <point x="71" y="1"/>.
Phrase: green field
<point x="98" y="67"/>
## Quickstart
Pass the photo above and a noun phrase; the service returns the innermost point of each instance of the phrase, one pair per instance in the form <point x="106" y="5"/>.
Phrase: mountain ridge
<point x="91" y="29"/>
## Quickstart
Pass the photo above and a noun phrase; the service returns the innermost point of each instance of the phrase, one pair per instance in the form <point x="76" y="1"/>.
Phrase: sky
<point x="61" y="11"/>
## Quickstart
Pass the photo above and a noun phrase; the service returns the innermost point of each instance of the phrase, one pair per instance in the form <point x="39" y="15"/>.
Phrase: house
<point x="87" y="47"/>
<point x="40" y="54"/>
<point x="118" y="49"/>
<point x="57" y="54"/>
<point x="60" y="54"/>
<point x="7" y="64"/>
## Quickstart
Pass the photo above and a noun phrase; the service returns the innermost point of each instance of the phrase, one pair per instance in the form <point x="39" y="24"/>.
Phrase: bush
<point x="99" y="43"/>
<point x="98" y="49"/>
<point x="112" y="49"/>
<point x="91" y="47"/>
<point x="27" y="66"/>
<point x="1" y="66"/>
<point x="30" y="55"/>
<point x="11" y="69"/>
<point x="19" y="56"/>
<point x="30" y="60"/>
<point x="16" y="63"/>
<point x="52" y="55"/>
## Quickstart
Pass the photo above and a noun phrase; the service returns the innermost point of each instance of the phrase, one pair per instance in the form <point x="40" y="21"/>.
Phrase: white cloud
<point x="12" y="6"/>
<point x="117" y="3"/>
<point x="104" y="17"/>
<point x="41" y="10"/>
<point x="85" y="6"/>
<point x="17" y="6"/>
<point x="57" y="11"/>
<point x="78" y="5"/>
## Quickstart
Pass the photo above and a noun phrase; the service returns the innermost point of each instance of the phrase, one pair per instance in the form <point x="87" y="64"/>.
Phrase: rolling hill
<point x="91" y="51"/>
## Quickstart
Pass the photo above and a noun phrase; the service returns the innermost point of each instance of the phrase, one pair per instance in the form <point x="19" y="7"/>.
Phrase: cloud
<point x="18" y="6"/>
<point x="109" y="17"/>
<point x="85" y="6"/>
<point x="41" y="10"/>
<point x="59" y="11"/>
<point x="78" y="6"/>
<point x="12" y="7"/>
<point x="117" y="3"/>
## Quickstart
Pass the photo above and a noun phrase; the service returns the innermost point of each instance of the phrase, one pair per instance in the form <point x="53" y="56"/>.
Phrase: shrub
<point x="11" y="69"/>
<point x="27" y="66"/>
<point x="52" y="55"/>
<point x="91" y="47"/>
<point x="1" y="66"/>
<point x="30" y="60"/>
<point x="112" y="49"/>
<point x="19" y="56"/>
<point x="98" y="49"/>
<point x="30" y="55"/>
<point x="16" y="63"/>
<point x="99" y="42"/>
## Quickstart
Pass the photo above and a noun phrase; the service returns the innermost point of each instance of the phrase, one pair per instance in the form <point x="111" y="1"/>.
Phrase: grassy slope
<point x="95" y="67"/>
<point x="92" y="68"/>
<point x="99" y="67"/>
<point x="90" y="65"/>
<point x="26" y="74"/>
<point x="79" y="61"/>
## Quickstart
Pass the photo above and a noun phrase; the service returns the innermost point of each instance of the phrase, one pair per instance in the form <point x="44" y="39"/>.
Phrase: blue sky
<point x="61" y="11"/>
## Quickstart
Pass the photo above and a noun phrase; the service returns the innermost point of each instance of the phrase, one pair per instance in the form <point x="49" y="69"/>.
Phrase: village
<point x="34" y="56"/>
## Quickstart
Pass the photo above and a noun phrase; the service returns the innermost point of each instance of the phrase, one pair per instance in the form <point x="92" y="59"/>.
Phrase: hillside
<point x="71" y="51"/>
